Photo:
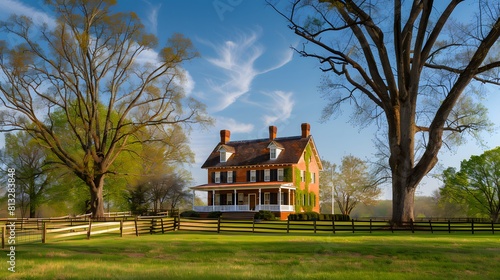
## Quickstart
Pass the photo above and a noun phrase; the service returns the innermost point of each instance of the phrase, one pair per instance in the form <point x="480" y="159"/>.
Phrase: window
<point x="217" y="177"/>
<point x="229" y="199"/>
<point x="313" y="177"/>
<point x="302" y="176"/>
<point x="223" y="156"/>
<point x="280" y="174"/>
<point x="230" y="176"/>
<point x="267" y="175"/>
<point x="267" y="198"/>
<point x="273" y="153"/>
<point x="253" y="176"/>
<point x="217" y="199"/>
<point x="241" y="196"/>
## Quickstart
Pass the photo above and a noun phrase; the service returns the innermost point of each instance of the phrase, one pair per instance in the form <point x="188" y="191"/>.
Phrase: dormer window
<point x="273" y="153"/>
<point x="274" y="150"/>
<point x="225" y="152"/>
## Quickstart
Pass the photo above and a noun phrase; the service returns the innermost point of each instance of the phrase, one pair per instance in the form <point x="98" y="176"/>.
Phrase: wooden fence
<point x="225" y="225"/>
<point x="44" y="230"/>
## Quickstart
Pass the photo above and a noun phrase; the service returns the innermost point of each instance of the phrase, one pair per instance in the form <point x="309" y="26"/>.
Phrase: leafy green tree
<point x="354" y="184"/>
<point x="476" y="186"/>
<point x="407" y="65"/>
<point x="32" y="174"/>
<point x="86" y="90"/>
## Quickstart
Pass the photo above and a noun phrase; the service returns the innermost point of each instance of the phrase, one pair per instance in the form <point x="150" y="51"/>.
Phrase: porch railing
<point x="230" y="208"/>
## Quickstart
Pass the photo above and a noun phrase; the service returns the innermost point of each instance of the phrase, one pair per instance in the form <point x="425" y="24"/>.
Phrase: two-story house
<point x="278" y="174"/>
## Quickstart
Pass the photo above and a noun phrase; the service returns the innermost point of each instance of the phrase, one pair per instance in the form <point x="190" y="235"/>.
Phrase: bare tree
<point x="407" y="65"/>
<point x="90" y="87"/>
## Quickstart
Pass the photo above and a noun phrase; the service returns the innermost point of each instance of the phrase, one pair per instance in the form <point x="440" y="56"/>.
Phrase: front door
<point x="251" y="201"/>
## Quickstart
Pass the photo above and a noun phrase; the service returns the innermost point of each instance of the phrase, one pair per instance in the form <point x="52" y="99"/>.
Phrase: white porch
<point x="251" y="197"/>
<point x="238" y="208"/>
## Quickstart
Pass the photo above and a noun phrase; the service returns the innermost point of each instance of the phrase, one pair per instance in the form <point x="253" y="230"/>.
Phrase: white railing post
<point x="235" y="200"/>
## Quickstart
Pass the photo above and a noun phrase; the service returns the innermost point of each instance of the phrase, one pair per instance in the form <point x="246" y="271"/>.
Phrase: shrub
<point x="341" y="217"/>
<point x="264" y="215"/>
<point x="190" y="214"/>
<point x="312" y="216"/>
<point x="215" y="214"/>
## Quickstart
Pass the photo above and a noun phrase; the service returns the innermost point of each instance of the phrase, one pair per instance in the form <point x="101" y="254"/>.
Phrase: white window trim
<point x="273" y="153"/>
<point x="302" y="176"/>
<point x="230" y="176"/>
<point x="217" y="177"/>
<point x="229" y="199"/>
<point x="281" y="174"/>
<point x="223" y="156"/>
<point x="267" y="198"/>
<point x="253" y="176"/>
<point x="267" y="175"/>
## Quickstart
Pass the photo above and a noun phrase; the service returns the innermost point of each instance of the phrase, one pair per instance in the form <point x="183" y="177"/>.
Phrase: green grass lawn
<point x="189" y="255"/>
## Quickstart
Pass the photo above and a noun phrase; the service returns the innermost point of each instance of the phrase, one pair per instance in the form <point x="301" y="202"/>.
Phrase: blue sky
<point x="249" y="78"/>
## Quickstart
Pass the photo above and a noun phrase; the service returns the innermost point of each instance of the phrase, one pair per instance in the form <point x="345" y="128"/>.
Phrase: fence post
<point x="152" y="226"/>
<point x="177" y="223"/>
<point x="333" y="224"/>
<point x="90" y="229"/>
<point x="44" y="232"/>
<point x="352" y="222"/>
<point x="288" y="225"/>
<point x="136" y="229"/>
<point x="218" y="225"/>
<point x="472" y="225"/>
<point x="370" y="225"/>
<point x="314" y="226"/>
<point x="430" y="224"/>
<point x="449" y="226"/>
<point x="162" y="228"/>
<point x="253" y="226"/>
<point x="492" y="227"/>
<point x="411" y="226"/>
<point x="121" y="228"/>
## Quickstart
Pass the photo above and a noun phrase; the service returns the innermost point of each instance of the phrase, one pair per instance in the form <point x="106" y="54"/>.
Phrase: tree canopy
<point x="88" y="90"/>
<point x="411" y="66"/>
<point x="476" y="186"/>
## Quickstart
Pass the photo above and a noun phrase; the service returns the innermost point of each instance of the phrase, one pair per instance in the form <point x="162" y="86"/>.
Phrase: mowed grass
<point x="189" y="255"/>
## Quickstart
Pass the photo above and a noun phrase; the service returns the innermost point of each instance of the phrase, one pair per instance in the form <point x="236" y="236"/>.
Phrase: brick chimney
<point x="273" y="130"/>
<point x="225" y="136"/>
<point x="306" y="129"/>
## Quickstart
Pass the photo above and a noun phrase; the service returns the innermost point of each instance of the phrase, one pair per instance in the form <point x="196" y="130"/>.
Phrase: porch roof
<point x="245" y="186"/>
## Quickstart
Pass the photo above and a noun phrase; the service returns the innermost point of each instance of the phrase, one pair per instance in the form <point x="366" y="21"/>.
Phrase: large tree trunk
<point x="96" y="198"/>
<point x="403" y="201"/>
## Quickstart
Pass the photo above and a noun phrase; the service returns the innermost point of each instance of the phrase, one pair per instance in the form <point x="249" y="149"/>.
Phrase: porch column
<point x="213" y="200"/>
<point x="288" y="196"/>
<point x="259" y="198"/>
<point x="279" y="198"/>
<point x="235" y="200"/>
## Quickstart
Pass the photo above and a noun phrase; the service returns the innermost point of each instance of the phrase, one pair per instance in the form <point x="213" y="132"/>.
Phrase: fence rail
<point x="44" y="230"/>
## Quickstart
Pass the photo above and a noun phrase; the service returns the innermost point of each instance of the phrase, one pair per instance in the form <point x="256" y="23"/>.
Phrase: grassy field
<point x="189" y="255"/>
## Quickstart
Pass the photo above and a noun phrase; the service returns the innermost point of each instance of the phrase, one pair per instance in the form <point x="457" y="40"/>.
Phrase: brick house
<point x="278" y="174"/>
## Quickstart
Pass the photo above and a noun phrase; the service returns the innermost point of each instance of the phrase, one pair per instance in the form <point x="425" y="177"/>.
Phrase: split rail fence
<point x="45" y="230"/>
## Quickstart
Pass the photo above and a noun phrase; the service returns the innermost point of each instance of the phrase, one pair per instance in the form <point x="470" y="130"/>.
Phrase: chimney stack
<point x="273" y="130"/>
<point x="306" y="130"/>
<point x="225" y="136"/>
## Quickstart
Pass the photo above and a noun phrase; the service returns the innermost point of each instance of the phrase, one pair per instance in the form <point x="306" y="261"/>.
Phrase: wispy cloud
<point x="233" y="125"/>
<point x="280" y="109"/>
<point x="152" y="17"/>
<point x="8" y="7"/>
<point x="237" y="59"/>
